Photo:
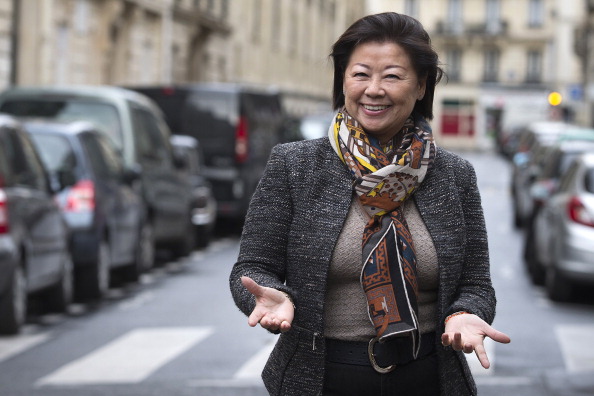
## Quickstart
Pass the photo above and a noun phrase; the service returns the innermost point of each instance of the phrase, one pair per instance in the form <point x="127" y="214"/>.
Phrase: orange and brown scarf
<point x="384" y="178"/>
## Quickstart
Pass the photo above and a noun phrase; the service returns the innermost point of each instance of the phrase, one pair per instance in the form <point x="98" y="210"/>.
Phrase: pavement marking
<point x="226" y="383"/>
<point x="504" y="381"/>
<point x="577" y="345"/>
<point x="14" y="345"/>
<point x="475" y="365"/>
<point x="137" y="301"/>
<point x="130" y="358"/>
<point x="253" y="367"/>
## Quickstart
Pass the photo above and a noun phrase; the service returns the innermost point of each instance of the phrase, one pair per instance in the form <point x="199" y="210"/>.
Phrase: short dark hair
<point x="400" y="29"/>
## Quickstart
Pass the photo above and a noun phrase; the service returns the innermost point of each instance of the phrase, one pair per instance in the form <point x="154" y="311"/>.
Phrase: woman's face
<point x="381" y="88"/>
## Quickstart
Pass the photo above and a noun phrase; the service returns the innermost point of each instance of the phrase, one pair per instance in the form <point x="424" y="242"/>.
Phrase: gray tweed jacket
<point x="290" y="232"/>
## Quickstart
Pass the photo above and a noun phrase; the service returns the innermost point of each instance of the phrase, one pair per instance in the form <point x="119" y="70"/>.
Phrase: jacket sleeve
<point x="263" y="245"/>
<point x="475" y="293"/>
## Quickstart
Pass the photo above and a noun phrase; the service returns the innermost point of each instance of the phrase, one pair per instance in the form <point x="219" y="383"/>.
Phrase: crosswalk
<point x="136" y="355"/>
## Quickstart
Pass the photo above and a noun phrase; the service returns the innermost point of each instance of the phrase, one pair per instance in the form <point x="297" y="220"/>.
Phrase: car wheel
<point x="186" y="244"/>
<point x="94" y="279"/>
<point x="59" y="296"/>
<point x="13" y="305"/>
<point x="533" y="265"/>
<point x="202" y="236"/>
<point x="558" y="287"/>
<point x="144" y="256"/>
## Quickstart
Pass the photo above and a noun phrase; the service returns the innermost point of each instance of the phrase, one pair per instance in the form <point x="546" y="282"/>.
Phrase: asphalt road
<point x="178" y="332"/>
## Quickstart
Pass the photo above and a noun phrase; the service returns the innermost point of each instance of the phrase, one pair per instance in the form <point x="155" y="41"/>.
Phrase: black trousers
<point x="417" y="378"/>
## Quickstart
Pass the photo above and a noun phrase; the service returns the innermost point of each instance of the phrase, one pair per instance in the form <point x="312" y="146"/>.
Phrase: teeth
<point x="375" y="108"/>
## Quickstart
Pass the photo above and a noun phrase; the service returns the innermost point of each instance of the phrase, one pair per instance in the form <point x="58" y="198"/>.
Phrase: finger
<point x="445" y="340"/>
<point x="468" y="348"/>
<point x="285" y="326"/>
<point x="251" y="286"/>
<point x="254" y="318"/>
<point x="497" y="335"/>
<point x="270" y="324"/>
<point x="457" y="344"/>
<point x="481" y="354"/>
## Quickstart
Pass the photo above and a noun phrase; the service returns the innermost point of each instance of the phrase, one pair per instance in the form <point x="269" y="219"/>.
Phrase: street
<point x="179" y="333"/>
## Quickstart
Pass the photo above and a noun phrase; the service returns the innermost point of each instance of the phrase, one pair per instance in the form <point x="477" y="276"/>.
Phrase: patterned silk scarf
<point x="383" y="180"/>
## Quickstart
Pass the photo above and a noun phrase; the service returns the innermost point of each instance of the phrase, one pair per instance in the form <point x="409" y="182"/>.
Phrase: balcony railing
<point x="496" y="27"/>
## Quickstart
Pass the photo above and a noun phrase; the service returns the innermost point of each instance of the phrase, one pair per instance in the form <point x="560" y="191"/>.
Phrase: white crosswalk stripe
<point x="253" y="367"/>
<point x="129" y="359"/>
<point x="12" y="346"/>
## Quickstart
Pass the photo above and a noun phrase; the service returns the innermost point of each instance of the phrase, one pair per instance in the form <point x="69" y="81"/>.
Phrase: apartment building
<point x="585" y="50"/>
<point x="502" y="58"/>
<point x="281" y="43"/>
<point x="6" y="39"/>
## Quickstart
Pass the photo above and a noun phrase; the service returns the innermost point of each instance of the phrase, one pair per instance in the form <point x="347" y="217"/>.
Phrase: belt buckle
<point x="377" y="367"/>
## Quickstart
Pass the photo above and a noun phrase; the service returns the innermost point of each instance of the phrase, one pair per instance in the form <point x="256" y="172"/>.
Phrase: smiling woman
<point x="367" y="249"/>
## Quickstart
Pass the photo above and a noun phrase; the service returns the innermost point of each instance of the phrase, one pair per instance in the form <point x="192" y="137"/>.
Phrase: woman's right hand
<point x="274" y="309"/>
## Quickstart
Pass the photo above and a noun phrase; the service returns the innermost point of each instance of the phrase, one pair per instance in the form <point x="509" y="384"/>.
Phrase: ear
<point x="422" y="86"/>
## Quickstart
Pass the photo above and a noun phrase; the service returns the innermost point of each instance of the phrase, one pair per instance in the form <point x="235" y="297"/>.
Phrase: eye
<point x="359" y="74"/>
<point x="393" y="77"/>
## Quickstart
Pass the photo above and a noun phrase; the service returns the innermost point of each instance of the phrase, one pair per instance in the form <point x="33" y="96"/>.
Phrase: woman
<point x="367" y="250"/>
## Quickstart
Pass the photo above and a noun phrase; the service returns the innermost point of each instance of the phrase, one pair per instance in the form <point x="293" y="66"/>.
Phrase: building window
<point x="454" y="64"/>
<point x="493" y="16"/>
<point x="534" y="67"/>
<point x="411" y="7"/>
<point x="455" y="11"/>
<point x="535" y="13"/>
<point x="454" y="22"/>
<point x="257" y="21"/>
<point x="491" y="65"/>
<point x="225" y="9"/>
<point x="276" y="26"/>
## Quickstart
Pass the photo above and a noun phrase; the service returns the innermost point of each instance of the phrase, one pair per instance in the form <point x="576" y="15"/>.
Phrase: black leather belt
<point x="383" y="357"/>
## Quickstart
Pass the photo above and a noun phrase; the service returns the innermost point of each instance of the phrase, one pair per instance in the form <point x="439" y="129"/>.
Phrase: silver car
<point x="568" y="219"/>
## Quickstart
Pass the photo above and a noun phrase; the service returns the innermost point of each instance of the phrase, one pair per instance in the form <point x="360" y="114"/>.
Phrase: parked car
<point x="527" y="162"/>
<point x="136" y="126"/>
<point x="34" y="254"/>
<point x="566" y="231"/>
<point x="204" y="205"/>
<point x="310" y="126"/>
<point x="236" y="126"/>
<point x="559" y="157"/>
<point x="107" y="218"/>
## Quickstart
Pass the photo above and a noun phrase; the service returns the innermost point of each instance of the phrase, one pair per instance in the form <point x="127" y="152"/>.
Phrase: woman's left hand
<point x="466" y="332"/>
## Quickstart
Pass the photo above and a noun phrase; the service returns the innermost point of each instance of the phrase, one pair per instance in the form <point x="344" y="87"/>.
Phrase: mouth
<point x="375" y="107"/>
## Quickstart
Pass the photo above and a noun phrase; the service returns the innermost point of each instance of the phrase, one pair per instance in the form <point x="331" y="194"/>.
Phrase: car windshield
<point x="103" y="115"/>
<point x="55" y="151"/>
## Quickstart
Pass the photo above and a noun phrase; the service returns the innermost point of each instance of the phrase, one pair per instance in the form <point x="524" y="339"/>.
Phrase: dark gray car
<point x="106" y="216"/>
<point x="34" y="255"/>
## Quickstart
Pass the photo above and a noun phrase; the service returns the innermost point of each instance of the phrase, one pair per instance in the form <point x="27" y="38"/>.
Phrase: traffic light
<point x="555" y="98"/>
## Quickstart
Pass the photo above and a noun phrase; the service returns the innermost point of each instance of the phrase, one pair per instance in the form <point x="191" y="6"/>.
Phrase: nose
<point x="374" y="88"/>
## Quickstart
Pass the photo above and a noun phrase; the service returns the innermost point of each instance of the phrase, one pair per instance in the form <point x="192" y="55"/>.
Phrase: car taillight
<point x="579" y="213"/>
<point x="81" y="197"/>
<point x="3" y="213"/>
<point x="241" y="141"/>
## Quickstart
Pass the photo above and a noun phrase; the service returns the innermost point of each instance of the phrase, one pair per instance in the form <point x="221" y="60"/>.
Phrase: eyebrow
<point x="387" y="67"/>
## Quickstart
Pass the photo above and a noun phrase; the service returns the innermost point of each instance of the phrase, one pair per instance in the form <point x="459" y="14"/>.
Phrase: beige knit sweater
<point x="346" y="306"/>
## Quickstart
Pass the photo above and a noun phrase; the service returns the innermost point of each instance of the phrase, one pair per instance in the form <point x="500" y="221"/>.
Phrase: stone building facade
<point x="6" y="39"/>
<point x="283" y="43"/>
